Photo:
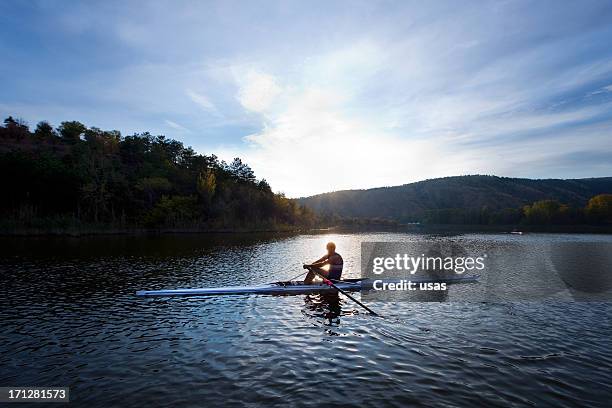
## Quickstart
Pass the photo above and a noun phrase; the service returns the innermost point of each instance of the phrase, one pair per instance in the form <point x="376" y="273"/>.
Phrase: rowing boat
<point x="298" y="287"/>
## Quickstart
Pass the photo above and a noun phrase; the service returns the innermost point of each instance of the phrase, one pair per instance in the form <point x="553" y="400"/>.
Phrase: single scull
<point x="298" y="287"/>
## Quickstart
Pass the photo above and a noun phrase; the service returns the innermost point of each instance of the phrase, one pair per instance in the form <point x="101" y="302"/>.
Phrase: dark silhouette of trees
<point x="15" y="129"/>
<point x="71" y="132"/>
<point x="79" y="176"/>
<point x="543" y="212"/>
<point x="91" y="177"/>
<point x="501" y="196"/>
<point x="241" y="171"/>
<point x="44" y="132"/>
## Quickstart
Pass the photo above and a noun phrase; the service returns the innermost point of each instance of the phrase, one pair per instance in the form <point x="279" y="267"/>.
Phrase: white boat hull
<point x="296" y="287"/>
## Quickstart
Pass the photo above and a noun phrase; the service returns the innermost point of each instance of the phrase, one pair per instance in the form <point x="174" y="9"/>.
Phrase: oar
<point x="330" y="283"/>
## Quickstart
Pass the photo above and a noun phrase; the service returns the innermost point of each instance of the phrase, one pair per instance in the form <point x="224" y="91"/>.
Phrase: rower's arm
<point x="324" y="260"/>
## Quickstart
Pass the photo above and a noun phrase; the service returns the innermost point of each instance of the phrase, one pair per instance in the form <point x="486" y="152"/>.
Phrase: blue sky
<point x="321" y="96"/>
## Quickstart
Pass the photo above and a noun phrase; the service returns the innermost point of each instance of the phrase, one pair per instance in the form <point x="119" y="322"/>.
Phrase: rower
<point x="331" y="258"/>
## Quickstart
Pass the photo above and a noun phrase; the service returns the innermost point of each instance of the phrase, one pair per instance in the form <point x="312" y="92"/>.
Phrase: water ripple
<point x="71" y="318"/>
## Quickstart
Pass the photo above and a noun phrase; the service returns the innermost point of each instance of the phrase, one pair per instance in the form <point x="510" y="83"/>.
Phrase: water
<point x="70" y="318"/>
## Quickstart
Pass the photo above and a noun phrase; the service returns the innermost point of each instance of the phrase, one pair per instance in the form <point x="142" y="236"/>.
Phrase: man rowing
<point x="331" y="258"/>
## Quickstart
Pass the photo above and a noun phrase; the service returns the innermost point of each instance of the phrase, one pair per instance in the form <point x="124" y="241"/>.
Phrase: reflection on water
<point x="326" y="306"/>
<point x="70" y="317"/>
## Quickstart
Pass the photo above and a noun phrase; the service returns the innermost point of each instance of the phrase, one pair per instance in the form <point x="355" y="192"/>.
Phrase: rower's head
<point x="331" y="248"/>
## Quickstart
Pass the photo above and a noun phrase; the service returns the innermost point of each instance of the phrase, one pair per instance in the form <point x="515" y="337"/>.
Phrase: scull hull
<point x="296" y="287"/>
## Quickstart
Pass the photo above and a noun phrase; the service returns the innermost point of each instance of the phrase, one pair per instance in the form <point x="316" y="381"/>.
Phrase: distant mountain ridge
<point x="409" y="202"/>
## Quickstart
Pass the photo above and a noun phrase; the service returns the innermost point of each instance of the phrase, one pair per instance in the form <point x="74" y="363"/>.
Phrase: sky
<point x="321" y="96"/>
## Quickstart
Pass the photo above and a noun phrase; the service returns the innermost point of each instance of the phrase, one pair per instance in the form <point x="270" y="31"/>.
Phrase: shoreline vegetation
<point x="103" y="230"/>
<point x="87" y="231"/>
<point x="77" y="181"/>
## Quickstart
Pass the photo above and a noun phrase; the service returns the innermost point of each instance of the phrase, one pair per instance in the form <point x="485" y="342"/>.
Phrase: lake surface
<point x="70" y="318"/>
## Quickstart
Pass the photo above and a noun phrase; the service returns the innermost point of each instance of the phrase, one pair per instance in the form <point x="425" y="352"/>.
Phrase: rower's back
<point x="336" y="263"/>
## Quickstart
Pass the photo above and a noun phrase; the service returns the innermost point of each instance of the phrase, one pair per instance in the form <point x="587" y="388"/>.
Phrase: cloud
<point x="258" y="91"/>
<point x="367" y="115"/>
<point x="310" y="143"/>
<point x="319" y="99"/>
<point x="202" y="101"/>
<point x="175" y="125"/>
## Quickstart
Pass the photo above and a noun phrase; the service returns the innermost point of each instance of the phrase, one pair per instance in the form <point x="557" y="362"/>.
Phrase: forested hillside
<point x="76" y="177"/>
<point x="466" y="197"/>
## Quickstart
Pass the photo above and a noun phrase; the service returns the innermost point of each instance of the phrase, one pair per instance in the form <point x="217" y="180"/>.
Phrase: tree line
<point x="598" y="211"/>
<point x="75" y="175"/>
<point x="472" y="198"/>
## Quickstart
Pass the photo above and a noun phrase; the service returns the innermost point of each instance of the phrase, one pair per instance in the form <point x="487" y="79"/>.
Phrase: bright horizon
<point x="329" y="97"/>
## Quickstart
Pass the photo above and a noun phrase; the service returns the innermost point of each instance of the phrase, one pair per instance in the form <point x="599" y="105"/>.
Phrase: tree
<point x="72" y="131"/>
<point x="264" y="186"/>
<point x="206" y="185"/>
<point x="44" y="132"/>
<point x="599" y="209"/>
<point x="15" y="128"/>
<point x="10" y="121"/>
<point x="547" y="212"/>
<point x="241" y="171"/>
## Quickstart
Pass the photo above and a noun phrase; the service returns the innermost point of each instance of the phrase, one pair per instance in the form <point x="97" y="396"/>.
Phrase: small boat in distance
<point x="298" y="287"/>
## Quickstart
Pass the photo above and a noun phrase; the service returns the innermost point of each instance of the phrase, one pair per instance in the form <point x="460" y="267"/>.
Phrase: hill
<point x="410" y="202"/>
<point x="74" y="179"/>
